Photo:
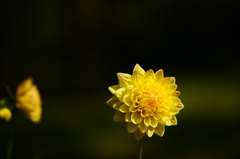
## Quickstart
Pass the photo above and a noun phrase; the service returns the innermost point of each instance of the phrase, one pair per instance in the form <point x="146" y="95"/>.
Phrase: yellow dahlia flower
<point x="29" y="100"/>
<point x="5" y="114"/>
<point x="147" y="101"/>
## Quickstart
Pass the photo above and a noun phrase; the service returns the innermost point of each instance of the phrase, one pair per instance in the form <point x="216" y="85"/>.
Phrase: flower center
<point x="148" y="102"/>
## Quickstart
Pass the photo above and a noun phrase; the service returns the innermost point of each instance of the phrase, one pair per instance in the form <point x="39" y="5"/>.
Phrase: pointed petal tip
<point x="138" y="135"/>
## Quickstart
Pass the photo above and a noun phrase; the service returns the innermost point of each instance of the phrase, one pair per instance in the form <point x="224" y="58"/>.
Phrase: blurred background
<point x="73" y="50"/>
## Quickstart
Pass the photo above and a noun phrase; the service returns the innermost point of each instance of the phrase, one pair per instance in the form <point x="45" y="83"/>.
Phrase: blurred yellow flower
<point x="5" y="114"/>
<point x="147" y="101"/>
<point x="29" y="101"/>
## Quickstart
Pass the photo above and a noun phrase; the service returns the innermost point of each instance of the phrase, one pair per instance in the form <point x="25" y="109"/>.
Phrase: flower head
<point x="147" y="101"/>
<point x="5" y="114"/>
<point x="29" y="101"/>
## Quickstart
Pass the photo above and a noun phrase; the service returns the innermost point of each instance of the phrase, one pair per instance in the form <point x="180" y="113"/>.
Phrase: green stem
<point x="140" y="148"/>
<point x="10" y="143"/>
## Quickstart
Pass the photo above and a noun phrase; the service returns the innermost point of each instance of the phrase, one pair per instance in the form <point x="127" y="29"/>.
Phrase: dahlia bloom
<point x="5" y="114"/>
<point x="29" y="101"/>
<point x="147" y="101"/>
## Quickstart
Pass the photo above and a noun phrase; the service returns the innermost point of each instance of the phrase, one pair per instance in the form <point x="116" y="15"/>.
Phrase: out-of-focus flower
<point x="5" y="114"/>
<point x="147" y="101"/>
<point x="29" y="101"/>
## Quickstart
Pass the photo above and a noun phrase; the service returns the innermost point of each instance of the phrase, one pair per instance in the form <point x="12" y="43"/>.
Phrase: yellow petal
<point x="124" y="79"/>
<point x="149" y="76"/>
<point x="119" y="117"/>
<point x="166" y="122"/>
<point x="172" y="80"/>
<point x="144" y="113"/>
<point x="119" y="92"/>
<point x="128" y="117"/>
<point x="147" y="121"/>
<point x="172" y="88"/>
<point x="133" y="109"/>
<point x="146" y="86"/>
<point x="24" y="86"/>
<point x="159" y="74"/>
<point x="132" y="127"/>
<point x="173" y="120"/>
<point x="180" y="106"/>
<point x="159" y="130"/>
<point x="156" y="115"/>
<point x="166" y="81"/>
<point x="175" y="100"/>
<point x="142" y="127"/>
<point x="150" y="131"/>
<point x="136" y="117"/>
<point x="173" y="111"/>
<point x="112" y="101"/>
<point x="138" y="70"/>
<point x="165" y="115"/>
<point x="117" y="105"/>
<point x="138" y="80"/>
<point x="176" y="93"/>
<point x="114" y="88"/>
<point x="154" y="122"/>
<point x="127" y="100"/>
<point x="138" y="135"/>
<point x="124" y="108"/>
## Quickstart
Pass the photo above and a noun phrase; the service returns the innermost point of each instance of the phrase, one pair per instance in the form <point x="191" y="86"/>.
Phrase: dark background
<point x="73" y="50"/>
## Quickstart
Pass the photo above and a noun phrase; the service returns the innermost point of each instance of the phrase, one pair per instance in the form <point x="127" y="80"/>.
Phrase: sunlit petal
<point x="136" y="117"/>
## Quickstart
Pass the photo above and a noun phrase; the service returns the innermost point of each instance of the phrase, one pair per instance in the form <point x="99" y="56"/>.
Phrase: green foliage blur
<point x="73" y="50"/>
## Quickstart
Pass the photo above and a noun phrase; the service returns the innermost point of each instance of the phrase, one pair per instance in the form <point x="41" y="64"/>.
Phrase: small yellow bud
<point x="5" y="114"/>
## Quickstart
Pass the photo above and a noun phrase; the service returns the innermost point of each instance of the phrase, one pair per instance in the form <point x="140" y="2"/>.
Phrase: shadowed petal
<point x="138" y="135"/>
<point x="117" y="105"/>
<point x="112" y="101"/>
<point x="159" y="130"/>
<point x="124" y="108"/>
<point x="119" y="117"/>
<point x="132" y="127"/>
